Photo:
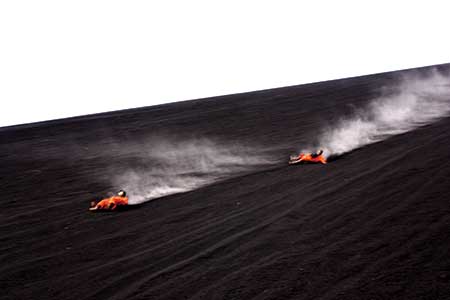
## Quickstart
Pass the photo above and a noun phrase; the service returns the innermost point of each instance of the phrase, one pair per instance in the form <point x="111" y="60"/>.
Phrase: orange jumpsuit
<point x="309" y="157"/>
<point x="111" y="203"/>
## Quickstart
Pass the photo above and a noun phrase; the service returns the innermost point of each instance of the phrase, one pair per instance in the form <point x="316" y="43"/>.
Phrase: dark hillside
<point x="373" y="224"/>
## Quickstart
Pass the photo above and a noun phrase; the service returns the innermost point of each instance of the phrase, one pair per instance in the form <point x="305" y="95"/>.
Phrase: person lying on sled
<point x="111" y="203"/>
<point x="316" y="157"/>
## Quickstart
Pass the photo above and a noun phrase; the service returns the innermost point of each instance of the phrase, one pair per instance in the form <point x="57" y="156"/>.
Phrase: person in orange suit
<point x="111" y="203"/>
<point x="316" y="157"/>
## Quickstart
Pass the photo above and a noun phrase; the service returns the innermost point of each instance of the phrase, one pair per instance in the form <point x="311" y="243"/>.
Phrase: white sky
<point x="68" y="58"/>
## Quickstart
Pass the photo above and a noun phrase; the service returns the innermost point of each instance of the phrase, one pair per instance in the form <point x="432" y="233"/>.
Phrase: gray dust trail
<point x="173" y="166"/>
<point x="416" y="101"/>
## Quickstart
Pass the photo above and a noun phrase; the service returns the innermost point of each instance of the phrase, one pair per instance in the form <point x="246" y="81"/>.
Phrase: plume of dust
<point x="169" y="167"/>
<point x="414" y="102"/>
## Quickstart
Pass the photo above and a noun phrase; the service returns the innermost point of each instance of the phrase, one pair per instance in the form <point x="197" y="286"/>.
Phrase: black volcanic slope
<point x="374" y="224"/>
